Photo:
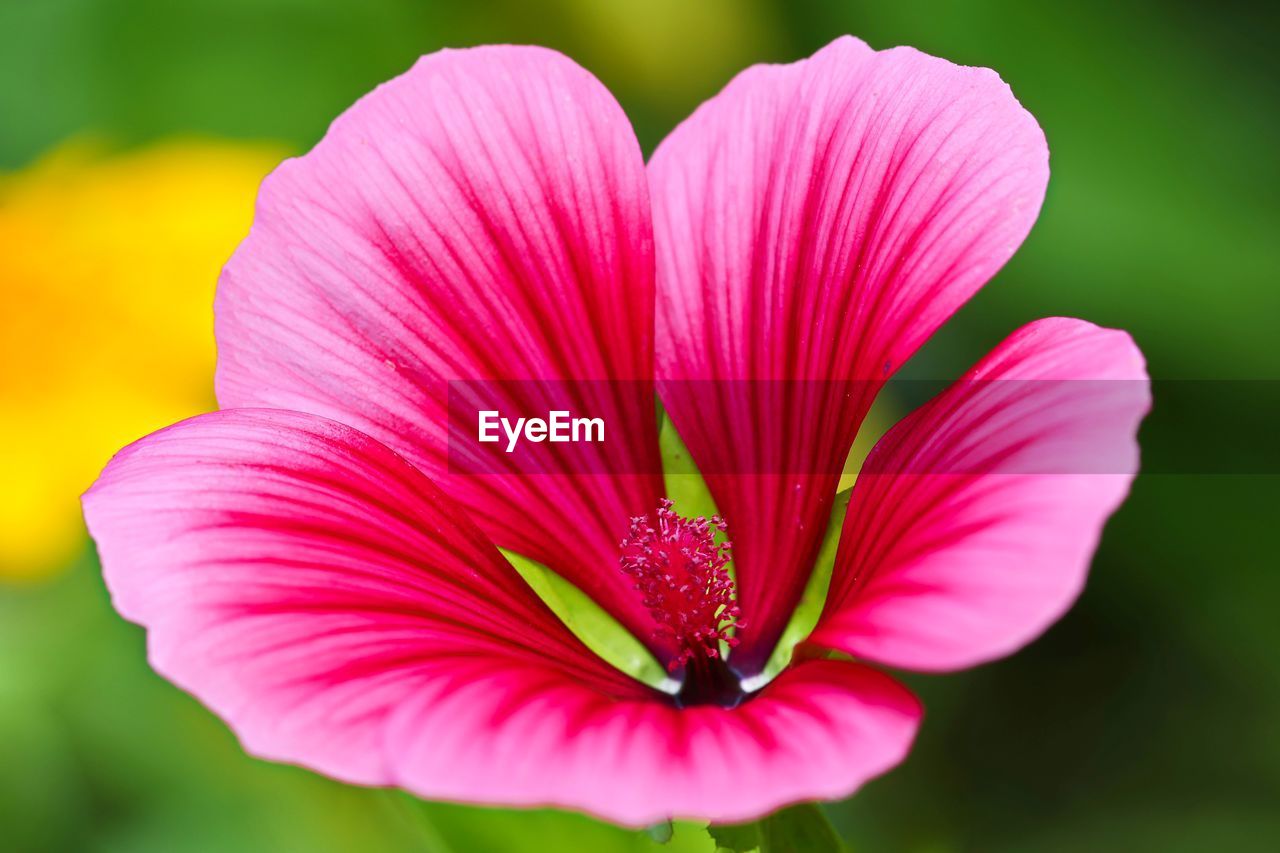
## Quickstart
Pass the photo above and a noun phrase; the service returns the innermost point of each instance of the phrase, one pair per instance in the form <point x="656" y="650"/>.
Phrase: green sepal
<point x="590" y="623"/>
<point x="798" y="829"/>
<point x="661" y="832"/>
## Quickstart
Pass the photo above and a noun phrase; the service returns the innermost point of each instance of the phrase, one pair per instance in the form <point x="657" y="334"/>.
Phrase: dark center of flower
<point x="682" y="573"/>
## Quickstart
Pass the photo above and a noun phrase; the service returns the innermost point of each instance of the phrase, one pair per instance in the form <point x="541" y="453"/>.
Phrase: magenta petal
<point x="304" y="582"/>
<point x="972" y="527"/>
<point x="818" y="221"/>
<point x="318" y="593"/>
<point x="819" y="731"/>
<point x="484" y="216"/>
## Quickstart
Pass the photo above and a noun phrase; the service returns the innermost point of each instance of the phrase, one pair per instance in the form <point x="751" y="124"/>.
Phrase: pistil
<point x="683" y="575"/>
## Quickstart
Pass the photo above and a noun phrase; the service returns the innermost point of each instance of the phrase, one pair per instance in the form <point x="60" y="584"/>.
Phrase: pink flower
<point x="317" y="563"/>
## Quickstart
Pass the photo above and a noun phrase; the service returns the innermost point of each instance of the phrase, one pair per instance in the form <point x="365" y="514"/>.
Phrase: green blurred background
<point x="1148" y="719"/>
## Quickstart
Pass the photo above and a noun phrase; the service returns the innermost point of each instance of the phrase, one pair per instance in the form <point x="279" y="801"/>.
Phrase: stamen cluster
<point x="684" y="578"/>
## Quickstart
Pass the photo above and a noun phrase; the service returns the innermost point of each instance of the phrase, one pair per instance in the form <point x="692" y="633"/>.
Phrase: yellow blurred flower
<point x="107" y="271"/>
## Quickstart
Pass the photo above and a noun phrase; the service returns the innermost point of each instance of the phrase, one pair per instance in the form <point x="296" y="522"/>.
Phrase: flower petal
<point x="483" y="217"/>
<point x="319" y="594"/>
<point x="973" y="523"/>
<point x="818" y="731"/>
<point x="817" y="222"/>
<point x="303" y="581"/>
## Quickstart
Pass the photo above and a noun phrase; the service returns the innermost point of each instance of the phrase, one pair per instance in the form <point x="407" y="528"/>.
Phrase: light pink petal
<point x="304" y="582"/>
<point x="484" y="216"/>
<point x="973" y="523"/>
<point x="818" y="731"/>
<point x="319" y="594"/>
<point x="817" y="222"/>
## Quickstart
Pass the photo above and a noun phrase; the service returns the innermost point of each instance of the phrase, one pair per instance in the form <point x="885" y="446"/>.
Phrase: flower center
<point x="682" y="574"/>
